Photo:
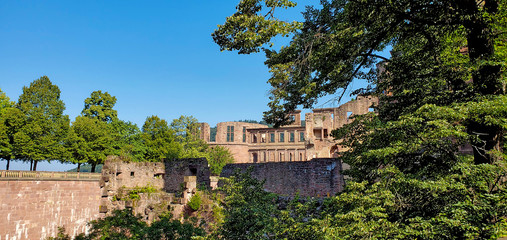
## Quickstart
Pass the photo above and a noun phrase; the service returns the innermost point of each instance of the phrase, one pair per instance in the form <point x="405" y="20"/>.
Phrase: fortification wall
<point x="34" y="208"/>
<point x="316" y="178"/>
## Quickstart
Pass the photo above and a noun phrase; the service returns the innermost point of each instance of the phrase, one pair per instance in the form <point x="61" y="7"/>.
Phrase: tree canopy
<point x="100" y="105"/>
<point x="442" y="88"/>
<point x="44" y="126"/>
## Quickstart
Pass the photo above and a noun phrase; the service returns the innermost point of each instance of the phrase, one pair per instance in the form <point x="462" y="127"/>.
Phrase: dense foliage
<point x="35" y="129"/>
<point x="122" y="224"/>
<point x="442" y="89"/>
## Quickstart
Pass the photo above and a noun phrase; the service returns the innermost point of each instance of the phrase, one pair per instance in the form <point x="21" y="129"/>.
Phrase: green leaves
<point x="45" y="126"/>
<point x="250" y="27"/>
<point x="100" y="106"/>
<point x="218" y="157"/>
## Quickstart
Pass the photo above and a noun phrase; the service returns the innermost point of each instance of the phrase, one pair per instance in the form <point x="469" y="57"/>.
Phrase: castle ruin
<point x="258" y="143"/>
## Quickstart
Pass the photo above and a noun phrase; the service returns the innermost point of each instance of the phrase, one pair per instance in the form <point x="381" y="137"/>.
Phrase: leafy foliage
<point x="195" y="201"/>
<point x="218" y="157"/>
<point x="443" y="87"/>
<point x="187" y="132"/>
<point x="44" y="125"/>
<point x="100" y="106"/>
<point x="248" y="210"/>
<point x="159" y="140"/>
<point x="89" y="141"/>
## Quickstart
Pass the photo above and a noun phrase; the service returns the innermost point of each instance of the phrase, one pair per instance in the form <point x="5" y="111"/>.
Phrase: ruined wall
<point x="34" y="209"/>
<point x="174" y="183"/>
<point x="317" y="178"/>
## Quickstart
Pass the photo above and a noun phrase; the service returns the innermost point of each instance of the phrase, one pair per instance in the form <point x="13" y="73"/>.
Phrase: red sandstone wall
<point x="35" y="209"/>
<point x="315" y="178"/>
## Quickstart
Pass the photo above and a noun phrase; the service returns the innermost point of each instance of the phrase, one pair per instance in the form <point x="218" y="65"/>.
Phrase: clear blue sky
<point x="156" y="57"/>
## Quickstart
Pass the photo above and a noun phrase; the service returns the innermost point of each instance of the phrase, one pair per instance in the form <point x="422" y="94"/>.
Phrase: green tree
<point x="339" y="42"/>
<point x="128" y="142"/>
<point x="160" y="140"/>
<point x="445" y="85"/>
<point x="123" y="224"/>
<point x="187" y="132"/>
<point x="45" y="126"/>
<point x="5" y="102"/>
<point x="249" y="211"/>
<point x="218" y="157"/>
<point x="100" y="105"/>
<point x="10" y="121"/>
<point x="89" y="141"/>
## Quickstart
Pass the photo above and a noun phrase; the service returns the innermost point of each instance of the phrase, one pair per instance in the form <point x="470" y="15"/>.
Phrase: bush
<point x="195" y="202"/>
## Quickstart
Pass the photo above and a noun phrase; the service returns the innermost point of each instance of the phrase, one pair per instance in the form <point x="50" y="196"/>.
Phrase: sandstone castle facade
<point x="256" y="143"/>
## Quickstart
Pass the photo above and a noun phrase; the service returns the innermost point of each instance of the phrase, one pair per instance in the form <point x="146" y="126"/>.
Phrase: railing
<point x="29" y="175"/>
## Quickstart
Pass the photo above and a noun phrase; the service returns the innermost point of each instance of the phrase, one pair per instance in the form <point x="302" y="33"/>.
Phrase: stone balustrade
<point x="40" y="175"/>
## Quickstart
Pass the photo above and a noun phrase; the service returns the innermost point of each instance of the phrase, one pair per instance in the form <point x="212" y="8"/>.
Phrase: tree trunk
<point x="78" y="167"/>
<point x="31" y="165"/>
<point x="35" y="165"/>
<point x="486" y="79"/>
<point x="93" y="167"/>
<point x="8" y="163"/>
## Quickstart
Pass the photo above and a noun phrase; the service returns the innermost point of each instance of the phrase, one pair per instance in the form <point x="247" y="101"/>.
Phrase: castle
<point x="257" y="143"/>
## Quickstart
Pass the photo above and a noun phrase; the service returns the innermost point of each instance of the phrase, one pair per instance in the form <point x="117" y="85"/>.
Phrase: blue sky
<point x="156" y="57"/>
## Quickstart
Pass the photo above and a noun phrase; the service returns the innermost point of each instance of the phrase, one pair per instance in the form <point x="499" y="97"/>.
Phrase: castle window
<point x="291" y="137"/>
<point x="263" y="138"/>
<point x="325" y="133"/>
<point x="230" y="133"/>
<point x="254" y="138"/>
<point x="244" y="134"/>
<point x="301" y="136"/>
<point x="300" y="157"/>
<point x="271" y="137"/>
<point x="282" y="137"/>
<point x="290" y="157"/>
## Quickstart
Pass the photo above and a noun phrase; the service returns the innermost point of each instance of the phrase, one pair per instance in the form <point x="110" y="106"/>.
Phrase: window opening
<point x="230" y="133"/>
<point x="317" y="133"/>
<point x="263" y="138"/>
<point x="282" y="137"/>
<point x="301" y="136"/>
<point x="325" y="133"/>
<point x="254" y="138"/>
<point x="272" y="137"/>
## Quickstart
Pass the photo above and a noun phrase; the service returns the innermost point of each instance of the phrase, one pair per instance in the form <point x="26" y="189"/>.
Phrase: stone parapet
<point x="7" y="175"/>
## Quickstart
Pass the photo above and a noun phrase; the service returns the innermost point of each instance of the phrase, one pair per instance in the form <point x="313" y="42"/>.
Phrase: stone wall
<point x="174" y="183"/>
<point x="34" y="209"/>
<point x="315" y="178"/>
